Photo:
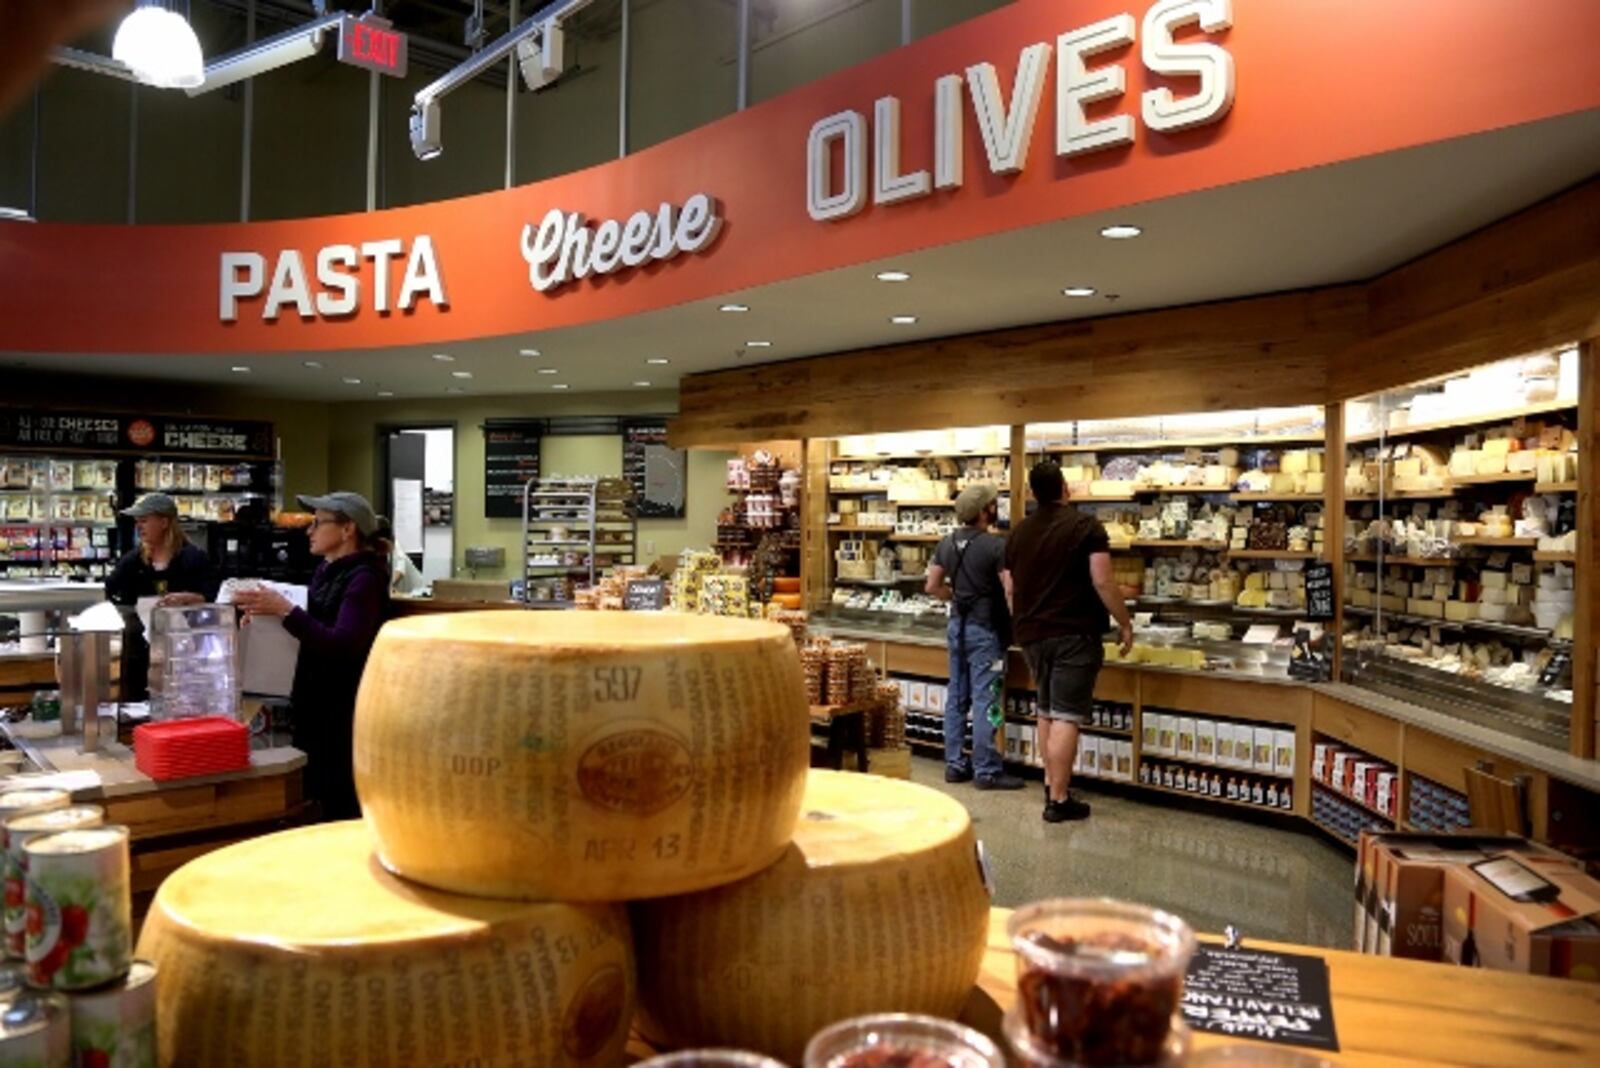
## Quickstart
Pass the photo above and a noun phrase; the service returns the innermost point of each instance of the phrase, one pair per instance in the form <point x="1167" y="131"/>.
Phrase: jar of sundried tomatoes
<point x="1099" y="984"/>
<point x="898" y="1040"/>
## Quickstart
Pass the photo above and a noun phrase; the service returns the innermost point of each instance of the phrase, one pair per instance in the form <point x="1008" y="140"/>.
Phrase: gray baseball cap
<point x="352" y="506"/>
<point x="152" y="504"/>
<point x="973" y="500"/>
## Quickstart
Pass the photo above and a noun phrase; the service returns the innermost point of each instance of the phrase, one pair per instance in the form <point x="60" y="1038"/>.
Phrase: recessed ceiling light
<point x="444" y="357"/>
<point x="453" y="389"/>
<point x="385" y="392"/>
<point x="530" y="352"/>
<point x="1121" y="231"/>
<point x="902" y="320"/>
<point x="460" y="374"/>
<point x="352" y="381"/>
<point x="758" y="344"/>
<point x="548" y="371"/>
<point x="893" y="276"/>
<point x="241" y="370"/>
<point x="658" y="361"/>
<point x="641" y="383"/>
<point x="314" y="365"/>
<point x="1078" y="291"/>
<point x="734" y="308"/>
<point x="558" y="385"/>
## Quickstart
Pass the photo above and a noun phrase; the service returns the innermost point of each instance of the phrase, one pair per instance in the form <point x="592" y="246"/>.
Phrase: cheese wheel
<point x="878" y="906"/>
<point x="581" y="756"/>
<point x="300" y="949"/>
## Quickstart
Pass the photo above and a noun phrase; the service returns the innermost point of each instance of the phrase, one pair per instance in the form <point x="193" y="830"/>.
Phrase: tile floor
<point x="1273" y="882"/>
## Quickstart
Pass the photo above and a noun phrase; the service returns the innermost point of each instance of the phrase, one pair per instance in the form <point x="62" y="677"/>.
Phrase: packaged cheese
<point x="581" y="756"/>
<point x="878" y="906"/>
<point x="299" y="948"/>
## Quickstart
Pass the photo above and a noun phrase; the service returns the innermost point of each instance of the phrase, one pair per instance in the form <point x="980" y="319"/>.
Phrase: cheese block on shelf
<point x="298" y="948"/>
<point x="879" y="906"/>
<point x="581" y="756"/>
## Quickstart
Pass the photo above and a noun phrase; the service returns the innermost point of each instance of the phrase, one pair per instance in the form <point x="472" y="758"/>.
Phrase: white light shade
<point x="160" y="47"/>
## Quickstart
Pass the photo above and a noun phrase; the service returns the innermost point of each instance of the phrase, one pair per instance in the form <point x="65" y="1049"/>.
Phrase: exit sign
<point x="370" y="42"/>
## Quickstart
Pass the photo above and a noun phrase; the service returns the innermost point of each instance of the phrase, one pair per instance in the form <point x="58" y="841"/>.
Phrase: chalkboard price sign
<point x="645" y="595"/>
<point x="1319" y="591"/>
<point x="1269" y="997"/>
<point x="510" y="459"/>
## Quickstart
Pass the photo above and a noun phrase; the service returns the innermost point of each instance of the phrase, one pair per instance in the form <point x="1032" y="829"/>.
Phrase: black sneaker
<point x="1063" y="811"/>
<point x="952" y="775"/>
<point x="1000" y="782"/>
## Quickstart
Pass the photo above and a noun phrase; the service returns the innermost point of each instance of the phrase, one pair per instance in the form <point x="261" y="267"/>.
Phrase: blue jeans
<point x="977" y="676"/>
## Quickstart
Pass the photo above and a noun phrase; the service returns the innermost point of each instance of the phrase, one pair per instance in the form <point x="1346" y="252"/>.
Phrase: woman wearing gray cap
<point x="164" y="565"/>
<point x="345" y="605"/>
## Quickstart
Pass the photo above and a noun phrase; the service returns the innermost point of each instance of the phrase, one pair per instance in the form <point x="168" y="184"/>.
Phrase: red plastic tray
<point x="184" y="748"/>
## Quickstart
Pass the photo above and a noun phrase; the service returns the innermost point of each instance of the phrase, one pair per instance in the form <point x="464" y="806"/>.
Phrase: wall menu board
<point x="510" y="459"/>
<point x="657" y="472"/>
<point x="121" y="433"/>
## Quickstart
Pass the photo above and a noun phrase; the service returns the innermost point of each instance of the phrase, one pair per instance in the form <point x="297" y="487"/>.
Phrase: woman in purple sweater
<point x="345" y="606"/>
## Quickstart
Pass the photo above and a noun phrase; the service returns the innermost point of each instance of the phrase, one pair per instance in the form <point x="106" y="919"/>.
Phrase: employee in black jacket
<point x="163" y="565"/>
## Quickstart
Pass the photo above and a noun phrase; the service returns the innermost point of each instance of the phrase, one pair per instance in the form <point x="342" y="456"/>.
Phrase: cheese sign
<point x="370" y="43"/>
<point x="1007" y="125"/>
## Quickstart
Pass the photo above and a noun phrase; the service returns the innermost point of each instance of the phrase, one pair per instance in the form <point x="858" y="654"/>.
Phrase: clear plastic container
<point x="194" y="651"/>
<point x="710" y="1058"/>
<point x="868" y="1041"/>
<point x="1099" y="982"/>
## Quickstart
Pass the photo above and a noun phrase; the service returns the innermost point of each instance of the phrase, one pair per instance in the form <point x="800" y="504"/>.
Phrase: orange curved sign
<point x="1037" y="112"/>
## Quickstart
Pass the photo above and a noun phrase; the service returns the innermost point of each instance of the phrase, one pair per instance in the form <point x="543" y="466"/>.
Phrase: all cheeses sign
<point x="1007" y="125"/>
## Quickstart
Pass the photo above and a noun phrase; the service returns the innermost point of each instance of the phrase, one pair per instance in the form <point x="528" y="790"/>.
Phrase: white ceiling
<point x="1333" y="224"/>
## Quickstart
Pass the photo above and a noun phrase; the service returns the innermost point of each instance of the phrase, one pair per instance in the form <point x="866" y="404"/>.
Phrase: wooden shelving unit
<point x="1555" y="487"/>
<point x="1501" y="416"/>
<point x="1159" y="444"/>
<point x="1490" y="480"/>
<point x="1271" y="554"/>
<point x="1275" y="498"/>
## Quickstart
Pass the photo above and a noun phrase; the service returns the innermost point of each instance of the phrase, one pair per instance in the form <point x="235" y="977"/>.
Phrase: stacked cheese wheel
<point x="521" y="775"/>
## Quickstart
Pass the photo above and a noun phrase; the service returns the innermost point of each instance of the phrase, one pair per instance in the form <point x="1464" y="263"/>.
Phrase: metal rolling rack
<point x="553" y="505"/>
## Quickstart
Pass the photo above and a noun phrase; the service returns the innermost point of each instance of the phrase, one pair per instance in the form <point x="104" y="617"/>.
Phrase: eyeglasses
<point x="318" y="521"/>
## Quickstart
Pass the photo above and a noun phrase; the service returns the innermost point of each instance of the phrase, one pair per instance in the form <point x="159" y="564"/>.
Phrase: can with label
<point x="34" y="1031"/>
<point x="20" y="830"/>
<point x="17" y="803"/>
<point x="79" y="906"/>
<point x="116" y="1027"/>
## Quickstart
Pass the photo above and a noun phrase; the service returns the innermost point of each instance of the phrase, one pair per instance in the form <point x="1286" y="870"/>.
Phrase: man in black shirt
<point x="1064" y="597"/>
<point x="968" y="569"/>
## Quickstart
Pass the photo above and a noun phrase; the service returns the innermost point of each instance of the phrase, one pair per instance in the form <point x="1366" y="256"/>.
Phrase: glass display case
<point x="891" y="499"/>
<point x="1461" y="542"/>
<point x="1214" y="519"/>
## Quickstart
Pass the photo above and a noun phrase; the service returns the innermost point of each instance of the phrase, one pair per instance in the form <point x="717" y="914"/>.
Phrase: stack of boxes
<point x="1486" y="901"/>
<point x="1437" y="808"/>
<point x="1362" y="778"/>
<point x="1267" y="751"/>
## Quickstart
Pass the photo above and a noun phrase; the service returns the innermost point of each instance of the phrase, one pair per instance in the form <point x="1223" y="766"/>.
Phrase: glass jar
<point x="867" y="1041"/>
<point x="1099" y="982"/>
<point x="710" y="1058"/>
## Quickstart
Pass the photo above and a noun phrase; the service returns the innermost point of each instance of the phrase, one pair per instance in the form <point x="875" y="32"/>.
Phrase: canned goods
<point x="34" y="1031"/>
<point x="79" y="908"/>
<point x="12" y="804"/>
<point x="20" y="830"/>
<point x="116" y="1027"/>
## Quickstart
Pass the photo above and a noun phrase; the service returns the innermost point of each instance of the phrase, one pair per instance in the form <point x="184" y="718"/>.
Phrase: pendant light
<point x="160" y="47"/>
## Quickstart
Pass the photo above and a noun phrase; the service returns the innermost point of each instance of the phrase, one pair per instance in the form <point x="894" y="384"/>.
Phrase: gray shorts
<point x="1064" y="671"/>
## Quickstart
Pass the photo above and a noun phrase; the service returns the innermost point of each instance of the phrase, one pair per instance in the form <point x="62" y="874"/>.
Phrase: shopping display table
<point x="175" y="821"/>
<point x="1388" y="1011"/>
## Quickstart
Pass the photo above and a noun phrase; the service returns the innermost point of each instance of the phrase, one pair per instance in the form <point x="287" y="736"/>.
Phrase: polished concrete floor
<point x="1270" y="879"/>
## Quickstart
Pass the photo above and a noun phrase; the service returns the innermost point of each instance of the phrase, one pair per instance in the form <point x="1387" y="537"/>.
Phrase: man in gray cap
<point x="968" y="570"/>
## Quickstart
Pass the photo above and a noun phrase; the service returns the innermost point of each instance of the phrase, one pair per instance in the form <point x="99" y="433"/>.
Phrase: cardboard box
<point x="1556" y="932"/>
<point x="1108" y="758"/>
<point x="1088" y="754"/>
<point x="1125" y="760"/>
<point x="1265" y="741"/>
<point x="1167" y="743"/>
<point x="1225" y="744"/>
<point x="1149" y="729"/>
<point x="1205" y="741"/>
<point x="1338" y="773"/>
<point x="1186" y="738"/>
<point x="1283" y="752"/>
<point x="917" y="699"/>
<point x="1321" y="761"/>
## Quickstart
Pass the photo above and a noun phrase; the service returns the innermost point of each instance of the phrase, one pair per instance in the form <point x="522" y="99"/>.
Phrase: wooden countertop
<point x="1385" y="1011"/>
<point x="112" y="764"/>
